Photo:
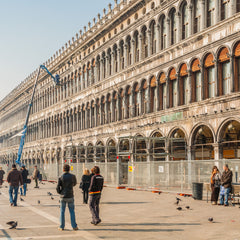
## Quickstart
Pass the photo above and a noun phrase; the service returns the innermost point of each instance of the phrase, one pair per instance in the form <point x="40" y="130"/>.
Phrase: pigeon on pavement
<point x="52" y="198"/>
<point x="178" y="199"/>
<point x="187" y="207"/>
<point x="210" y="219"/>
<point x="179" y="208"/>
<point x="21" y="199"/>
<point x="13" y="224"/>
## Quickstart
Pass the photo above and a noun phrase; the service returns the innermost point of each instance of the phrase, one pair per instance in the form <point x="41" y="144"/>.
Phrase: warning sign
<point x="130" y="168"/>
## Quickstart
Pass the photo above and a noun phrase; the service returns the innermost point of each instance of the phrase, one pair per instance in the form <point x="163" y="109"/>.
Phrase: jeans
<point x="36" y="182"/>
<point x="224" y="198"/>
<point x="94" y="201"/>
<point x="10" y="191"/>
<point x="85" y="196"/>
<point x="24" y="190"/>
<point x="63" y="203"/>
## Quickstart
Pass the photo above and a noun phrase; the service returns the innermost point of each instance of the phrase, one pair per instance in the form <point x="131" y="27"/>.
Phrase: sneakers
<point x="96" y="223"/>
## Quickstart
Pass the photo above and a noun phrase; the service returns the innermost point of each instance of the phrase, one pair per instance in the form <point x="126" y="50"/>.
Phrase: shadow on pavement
<point x="149" y="224"/>
<point x="124" y="202"/>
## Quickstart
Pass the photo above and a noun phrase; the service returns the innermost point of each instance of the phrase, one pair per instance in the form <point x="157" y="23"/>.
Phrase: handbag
<point x="28" y="181"/>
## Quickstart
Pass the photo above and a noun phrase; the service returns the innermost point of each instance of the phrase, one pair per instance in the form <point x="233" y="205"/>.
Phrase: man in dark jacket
<point x="95" y="190"/>
<point x="24" y="173"/>
<point x="226" y="182"/>
<point x="14" y="179"/>
<point x="65" y="188"/>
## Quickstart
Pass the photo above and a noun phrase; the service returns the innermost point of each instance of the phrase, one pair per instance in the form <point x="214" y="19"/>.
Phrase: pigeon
<point x="179" y="208"/>
<point x="178" y="199"/>
<point x="38" y="201"/>
<point x="159" y="193"/>
<point x="177" y="202"/>
<point x="52" y="198"/>
<point x="21" y="199"/>
<point x="187" y="207"/>
<point x="210" y="219"/>
<point x="50" y="194"/>
<point x="13" y="224"/>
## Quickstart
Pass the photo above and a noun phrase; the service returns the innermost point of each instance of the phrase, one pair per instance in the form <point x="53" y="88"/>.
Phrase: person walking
<point x="215" y="185"/>
<point x="36" y="176"/>
<point x="85" y="184"/>
<point x="226" y="182"/>
<point x="24" y="173"/>
<point x="14" y="179"/>
<point x="65" y="188"/>
<point x="1" y="176"/>
<point x="95" y="190"/>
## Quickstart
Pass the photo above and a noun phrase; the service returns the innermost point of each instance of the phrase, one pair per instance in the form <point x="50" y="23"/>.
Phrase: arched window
<point x="210" y="12"/>
<point x="162" y="91"/>
<point x="144" y="98"/>
<point x="93" y="71"/>
<point x="111" y="151"/>
<point x="197" y="15"/>
<point x="173" y="88"/>
<point x="89" y="74"/>
<point x="90" y="153"/>
<point x="98" y="117"/>
<point x="115" y="63"/>
<point x="98" y="69"/>
<point x="183" y="85"/>
<point x="109" y="110"/>
<point x="144" y="42"/>
<point x="225" y="9"/>
<point x="93" y="114"/>
<point x="129" y="54"/>
<point x="237" y="68"/>
<point x="202" y="143"/>
<point x="109" y="62"/>
<point x="163" y="32"/>
<point x="209" y="77"/>
<point x="114" y="106"/>
<point x="153" y="94"/>
<point x="103" y="113"/>
<point x="136" y="45"/>
<point x="121" y="55"/>
<point x="153" y="40"/>
<point x="84" y="76"/>
<point x="103" y="65"/>
<point x="238" y="5"/>
<point x="184" y="20"/>
<point x="136" y="99"/>
<point x="83" y="117"/>
<point x="100" y="152"/>
<point x="196" y="81"/>
<point x="173" y="26"/>
<point x="88" y="115"/>
<point x="121" y="104"/>
<point x="127" y="101"/>
<point x="224" y="74"/>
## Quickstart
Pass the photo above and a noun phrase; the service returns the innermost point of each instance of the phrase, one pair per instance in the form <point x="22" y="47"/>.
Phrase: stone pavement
<point x="125" y="215"/>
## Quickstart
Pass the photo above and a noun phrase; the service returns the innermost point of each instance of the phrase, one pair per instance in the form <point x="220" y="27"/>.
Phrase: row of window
<point x="175" y="88"/>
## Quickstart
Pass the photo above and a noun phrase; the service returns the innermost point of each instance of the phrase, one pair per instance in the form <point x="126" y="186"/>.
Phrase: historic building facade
<point x="150" y="80"/>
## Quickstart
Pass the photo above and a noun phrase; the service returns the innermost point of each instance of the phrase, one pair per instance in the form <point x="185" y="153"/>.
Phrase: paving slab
<point x="125" y="215"/>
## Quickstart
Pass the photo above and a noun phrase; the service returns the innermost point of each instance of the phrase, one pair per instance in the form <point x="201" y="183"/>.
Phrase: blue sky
<point x="31" y="31"/>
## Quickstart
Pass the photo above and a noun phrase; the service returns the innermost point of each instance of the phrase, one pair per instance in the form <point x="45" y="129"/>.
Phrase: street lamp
<point x="56" y="80"/>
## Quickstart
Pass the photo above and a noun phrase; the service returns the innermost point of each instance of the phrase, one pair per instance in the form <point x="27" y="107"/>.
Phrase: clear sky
<point x="31" y="31"/>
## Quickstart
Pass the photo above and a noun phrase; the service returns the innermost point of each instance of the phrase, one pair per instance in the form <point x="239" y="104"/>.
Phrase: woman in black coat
<point x="85" y="184"/>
